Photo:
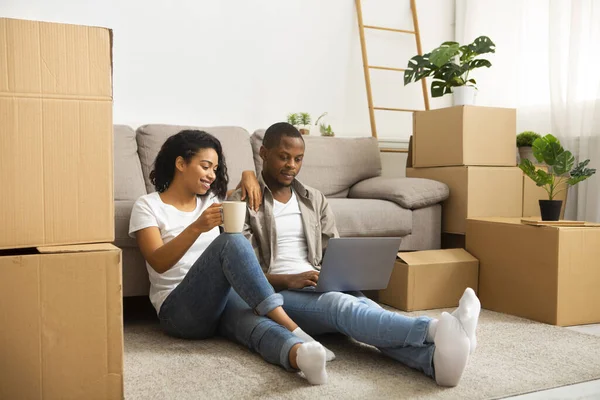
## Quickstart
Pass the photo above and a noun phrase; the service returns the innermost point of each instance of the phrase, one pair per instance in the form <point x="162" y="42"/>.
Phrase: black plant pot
<point x="550" y="209"/>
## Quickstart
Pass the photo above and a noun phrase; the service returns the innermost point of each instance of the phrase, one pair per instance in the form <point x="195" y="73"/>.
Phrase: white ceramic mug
<point x="234" y="216"/>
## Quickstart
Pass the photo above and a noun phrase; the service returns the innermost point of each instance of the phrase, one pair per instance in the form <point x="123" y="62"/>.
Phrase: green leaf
<point x="539" y="176"/>
<point x="418" y="67"/>
<point x="564" y="163"/>
<point x="546" y="149"/>
<point x="479" y="63"/>
<point x="580" y="173"/>
<point x="438" y="88"/>
<point x="482" y="45"/>
<point x="444" y="53"/>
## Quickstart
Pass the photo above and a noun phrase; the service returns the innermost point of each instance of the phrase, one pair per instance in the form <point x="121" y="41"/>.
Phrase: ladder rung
<point x="383" y="28"/>
<point x="387" y="68"/>
<point x="394" y="109"/>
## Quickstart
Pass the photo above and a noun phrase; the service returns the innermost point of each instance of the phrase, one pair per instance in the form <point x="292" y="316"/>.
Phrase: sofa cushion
<point x="122" y="215"/>
<point x="129" y="181"/>
<point x="410" y="193"/>
<point x="235" y="142"/>
<point x="366" y="217"/>
<point x="332" y="164"/>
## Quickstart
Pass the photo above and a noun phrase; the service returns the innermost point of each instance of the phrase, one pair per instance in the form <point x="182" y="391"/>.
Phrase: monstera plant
<point x="561" y="173"/>
<point x="450" y="65"/>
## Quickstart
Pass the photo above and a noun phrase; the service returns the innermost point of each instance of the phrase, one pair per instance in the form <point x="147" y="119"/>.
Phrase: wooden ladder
<point x="367" y="67"/>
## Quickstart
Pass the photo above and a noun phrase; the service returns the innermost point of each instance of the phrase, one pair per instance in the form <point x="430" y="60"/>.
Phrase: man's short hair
<point x="276" y="131"/>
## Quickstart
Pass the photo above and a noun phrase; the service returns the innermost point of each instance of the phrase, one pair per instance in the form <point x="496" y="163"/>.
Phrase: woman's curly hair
<point x="186" y="144"/>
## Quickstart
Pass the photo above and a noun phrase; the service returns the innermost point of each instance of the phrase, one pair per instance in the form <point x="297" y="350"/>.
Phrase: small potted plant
<point x="524" y="144"/>
<point x="292" y="119"/>
<point x="450" y="65"/>
<point x="324" y="128"/>
<point x="304" y="120"/>
<point x="560" y="175"/>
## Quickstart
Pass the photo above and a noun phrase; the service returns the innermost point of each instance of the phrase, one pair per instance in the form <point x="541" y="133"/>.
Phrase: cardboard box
<point x="56" y="165"/>
<point x="476" y="192"/>
<point x="464" y="135"/>
<point x="424" y="280"/>
<point x="533" y="193"/>
<point x="453" y="241"/>
<point x="62" y="324"/>
<point x="548" y="274"/>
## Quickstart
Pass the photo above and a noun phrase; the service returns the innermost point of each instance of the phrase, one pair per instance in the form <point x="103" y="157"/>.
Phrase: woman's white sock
<point x="311" y="361"/>
<point x="467" y="313"/>
<point x="451" y="352"/>
<point x="307" y="338"/>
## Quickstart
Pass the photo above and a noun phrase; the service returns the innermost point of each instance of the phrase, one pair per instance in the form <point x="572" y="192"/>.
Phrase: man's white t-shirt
<point x="292" y="250"/>
<point x="149" y="210"/>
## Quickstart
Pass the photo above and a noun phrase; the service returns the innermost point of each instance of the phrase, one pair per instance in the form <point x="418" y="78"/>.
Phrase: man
<point x="289" y="233"/>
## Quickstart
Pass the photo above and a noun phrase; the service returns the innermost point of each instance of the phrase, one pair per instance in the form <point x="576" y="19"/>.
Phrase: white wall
<point x="249" y="63"/>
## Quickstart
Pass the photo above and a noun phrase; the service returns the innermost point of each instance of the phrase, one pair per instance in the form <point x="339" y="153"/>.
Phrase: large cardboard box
<point x="548" y="274"/>
<point x="424" y="280"/>
<point x="62" y="324"/>
<point x="476" y="192"/>
<point x="533" y="193"/>
<point x="464" y="135"/>
<point x="56" y="166"/>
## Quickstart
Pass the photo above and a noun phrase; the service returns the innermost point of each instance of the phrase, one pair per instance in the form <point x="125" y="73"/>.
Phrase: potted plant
<point x="324" y="128"/>
<point x="304" y="120"/>
<point x="560" y="175"/>
<point x="524" y="144"/>
<point x="450" y="65"/>
<point x="292" y="119"/>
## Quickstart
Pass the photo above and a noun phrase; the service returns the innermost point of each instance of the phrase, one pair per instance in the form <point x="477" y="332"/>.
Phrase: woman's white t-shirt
<point x="149" y="210"/>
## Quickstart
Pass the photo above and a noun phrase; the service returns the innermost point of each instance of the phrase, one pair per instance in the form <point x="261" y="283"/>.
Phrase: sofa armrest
<point x="409" y="193"/>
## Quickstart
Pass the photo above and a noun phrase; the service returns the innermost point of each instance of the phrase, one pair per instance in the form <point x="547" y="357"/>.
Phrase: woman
<point x="192" y="267"/>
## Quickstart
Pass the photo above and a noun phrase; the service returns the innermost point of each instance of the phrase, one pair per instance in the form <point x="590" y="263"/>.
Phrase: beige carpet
<point x="514" y="356"/>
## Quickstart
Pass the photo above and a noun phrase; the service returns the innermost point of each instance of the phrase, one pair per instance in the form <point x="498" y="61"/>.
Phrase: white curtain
<point x="547" y="65"/>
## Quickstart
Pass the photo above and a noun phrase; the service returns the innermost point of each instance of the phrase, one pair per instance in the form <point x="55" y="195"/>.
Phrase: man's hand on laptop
<point x="298" y="281"/>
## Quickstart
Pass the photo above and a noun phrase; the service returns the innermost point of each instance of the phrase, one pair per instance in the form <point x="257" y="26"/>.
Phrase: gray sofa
<point x="346" y="170"/>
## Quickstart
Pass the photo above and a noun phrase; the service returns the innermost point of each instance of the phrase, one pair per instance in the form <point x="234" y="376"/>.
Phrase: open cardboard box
<point x="424" y="280"/>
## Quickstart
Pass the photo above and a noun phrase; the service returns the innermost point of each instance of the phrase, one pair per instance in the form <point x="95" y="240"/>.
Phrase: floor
<point x="139" y="308"/>
<point x="587" y="390"/>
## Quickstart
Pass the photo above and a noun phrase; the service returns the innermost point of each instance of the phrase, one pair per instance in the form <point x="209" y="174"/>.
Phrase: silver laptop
<point x="357" y="263"/>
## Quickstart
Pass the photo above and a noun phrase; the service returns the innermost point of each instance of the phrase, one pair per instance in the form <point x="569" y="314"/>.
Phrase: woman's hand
<point x="210" y="218"/>
<point x="251" y="189"/>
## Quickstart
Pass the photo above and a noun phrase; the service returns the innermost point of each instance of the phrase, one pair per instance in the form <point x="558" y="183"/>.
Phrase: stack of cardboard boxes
<point x="546" y="273"/>
<point x="61" y="332"/>
<point x="472" y="150"/>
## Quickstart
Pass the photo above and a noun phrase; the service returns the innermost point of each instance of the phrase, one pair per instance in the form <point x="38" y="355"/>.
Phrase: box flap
<point x="435" y="256"/>
<point x="77" y="248"/>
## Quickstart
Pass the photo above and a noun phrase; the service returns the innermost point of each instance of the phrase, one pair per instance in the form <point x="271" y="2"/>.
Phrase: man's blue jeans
<point x="203" y="303"/>
<point x="399" y="337"/>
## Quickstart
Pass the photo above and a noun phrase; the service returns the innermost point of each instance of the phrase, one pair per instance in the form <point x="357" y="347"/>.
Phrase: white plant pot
<point x="464" y="95"/>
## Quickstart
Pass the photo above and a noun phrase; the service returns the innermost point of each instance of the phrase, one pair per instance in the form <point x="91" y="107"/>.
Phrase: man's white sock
<point x="307" y="338"/>
<point x="311" y="361"/>
<point x="431" y="330"/>
<point x="467" y="313"/>
<point x="451" y="351"/>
